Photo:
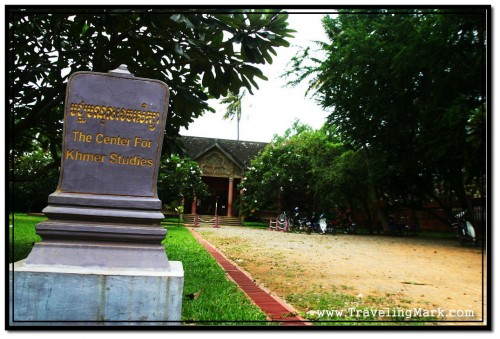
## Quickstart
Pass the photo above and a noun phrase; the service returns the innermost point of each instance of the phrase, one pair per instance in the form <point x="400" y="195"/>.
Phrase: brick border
<point x="275" y="309"/>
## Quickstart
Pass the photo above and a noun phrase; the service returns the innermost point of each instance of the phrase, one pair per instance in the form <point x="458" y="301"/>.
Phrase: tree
<point x="339" y="172"/>
<point x="233" y="109"/>
<point x="199" y="55"/>
<point x="403" y="88"/>
<point x="309" y="169"/>
<point x="278" y="177"/>
<point x="178" y="179"/>
<point x="32" y="196"/>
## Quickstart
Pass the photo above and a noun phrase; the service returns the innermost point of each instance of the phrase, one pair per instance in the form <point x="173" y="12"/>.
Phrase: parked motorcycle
<point x="282" y="222"/>
<point x="413" y="228"/>
<point x="314" y="225"/>
<point x="322" y="225"/>
<point x="349" y="226"/>
<point x="330" y="226"/>
<point x="403" y="227"/>
<point x="465" y="231"/>
<point x="297" y="223"/>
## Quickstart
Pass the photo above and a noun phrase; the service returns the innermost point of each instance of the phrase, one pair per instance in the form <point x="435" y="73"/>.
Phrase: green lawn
<point x="22" y="231"/>
<point x="209" y="297"/>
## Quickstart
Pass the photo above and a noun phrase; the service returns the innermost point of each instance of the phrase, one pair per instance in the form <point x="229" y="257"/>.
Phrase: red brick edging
<point x="275" y="309"/>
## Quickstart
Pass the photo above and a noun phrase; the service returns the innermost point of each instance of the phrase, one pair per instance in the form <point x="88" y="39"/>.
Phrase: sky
<point x="273" y="107"/>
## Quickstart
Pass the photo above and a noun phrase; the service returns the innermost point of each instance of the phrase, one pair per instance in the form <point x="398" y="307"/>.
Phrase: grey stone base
<point x="59" y="295"/>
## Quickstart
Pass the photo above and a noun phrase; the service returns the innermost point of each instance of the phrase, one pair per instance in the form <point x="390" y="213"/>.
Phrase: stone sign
<point x="113" y="131"/>
<point x="101" y="246"/>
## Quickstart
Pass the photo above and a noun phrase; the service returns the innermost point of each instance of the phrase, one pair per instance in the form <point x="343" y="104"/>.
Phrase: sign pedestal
<point x="58" y="295"/>
<point x="101" y="260"/>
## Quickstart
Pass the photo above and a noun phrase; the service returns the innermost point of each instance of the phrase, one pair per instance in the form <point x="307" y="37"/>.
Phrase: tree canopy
<point x="408" y="87"/>
<point x="179" y="178"/>
<point x="309" y="169"/>
<point x="200" y="55"/>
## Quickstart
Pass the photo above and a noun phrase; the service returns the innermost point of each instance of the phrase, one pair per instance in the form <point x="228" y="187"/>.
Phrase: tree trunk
<point x="369" y="215"/>
<point x="238" y="129"/>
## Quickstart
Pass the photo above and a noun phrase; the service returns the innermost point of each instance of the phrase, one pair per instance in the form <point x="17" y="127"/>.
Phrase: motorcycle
<point x="412" y="229"/>
<point x="323" y="225"/>
<point x="403" y="227"/>
<point x="329" y="225"/>
<point x="282" y="223"/>
<point x="350" y="226"/>
<point x="465" y="231"/>
<point x="314" y="225"/>
<point x="296" y="223"/>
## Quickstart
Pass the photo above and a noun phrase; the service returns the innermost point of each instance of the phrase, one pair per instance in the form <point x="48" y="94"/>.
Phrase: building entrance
<point x="223" y="164"/>
<point x="217" y="200"/>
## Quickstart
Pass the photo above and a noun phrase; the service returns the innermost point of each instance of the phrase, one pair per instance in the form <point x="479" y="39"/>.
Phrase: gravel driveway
<point x="427" y="273"/>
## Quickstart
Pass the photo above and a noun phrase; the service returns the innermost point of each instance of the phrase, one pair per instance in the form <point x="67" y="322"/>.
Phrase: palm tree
<point x="233" y="109"/>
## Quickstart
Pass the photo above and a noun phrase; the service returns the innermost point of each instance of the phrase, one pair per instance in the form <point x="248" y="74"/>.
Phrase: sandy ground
<point x="426" y="273"/>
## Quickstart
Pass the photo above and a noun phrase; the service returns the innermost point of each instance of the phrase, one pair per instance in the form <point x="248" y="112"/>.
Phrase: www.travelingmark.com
<point x="394" y="313"/>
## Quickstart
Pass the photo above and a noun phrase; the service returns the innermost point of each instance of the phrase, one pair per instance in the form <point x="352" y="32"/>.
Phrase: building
<point x="223" y="163"/>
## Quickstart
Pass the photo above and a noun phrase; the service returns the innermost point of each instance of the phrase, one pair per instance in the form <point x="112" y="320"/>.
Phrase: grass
<point x="424" y="234"/>
<point x="338" y="308"/>
<point x="255" y="224"/>
<point x="209" y="297"/>
<point x="438" y="235"/>
<point x="23" y="233"/>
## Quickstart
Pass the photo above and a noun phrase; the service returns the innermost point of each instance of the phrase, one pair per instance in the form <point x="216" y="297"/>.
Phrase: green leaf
<point x="226" y="19"/>
<point x="84" y="28"/>
<point x="218" y="38"/>
<point x="266" y="55"/>
<point x="254" y="71"/>
<point x="177" y="17"/>
<point x="178" y="48"/>
<point x="280" y="21"/>
<point x="208" y="79"/>
<point x="251" y="80"/>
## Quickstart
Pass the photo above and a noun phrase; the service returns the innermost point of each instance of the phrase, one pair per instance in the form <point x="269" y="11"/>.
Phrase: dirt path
<point x="427" y="273"/>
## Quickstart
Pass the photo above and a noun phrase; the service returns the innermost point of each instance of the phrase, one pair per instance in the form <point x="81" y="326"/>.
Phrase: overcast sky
<point x="273" y="107"/>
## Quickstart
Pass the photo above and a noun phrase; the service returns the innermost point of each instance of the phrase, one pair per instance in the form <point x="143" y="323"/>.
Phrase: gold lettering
<point x="80" y="106"/>
<point x="99" y="137"/>
<point x="88" y="109"/>
<point x="138" y="141"/>
<point x="73" y="109"/>
<point x="81" y="137"/>
<point x="98" y="112"/>
<point x="156" y="117"/>
<point x="113" y="157"/>
<point x="74" y="154"/>
<point x="104" y="113"/>
<point x="136" y="160"/>
<point x="69" y="154"/>
<point x="85" y="156"/>
<point x="107" y="140"/>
